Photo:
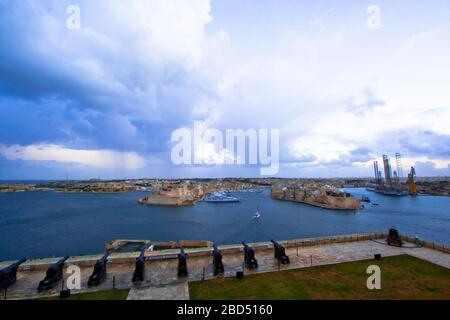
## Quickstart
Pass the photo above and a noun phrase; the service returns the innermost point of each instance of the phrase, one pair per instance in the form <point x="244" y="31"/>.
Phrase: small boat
<point x="365" y="199"/>
<point x="257" y="215"/>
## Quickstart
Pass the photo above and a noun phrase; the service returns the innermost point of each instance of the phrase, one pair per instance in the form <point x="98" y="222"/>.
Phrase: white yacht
<point x="220" y="197"/>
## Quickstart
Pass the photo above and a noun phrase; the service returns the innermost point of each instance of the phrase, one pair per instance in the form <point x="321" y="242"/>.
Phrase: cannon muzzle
<point x="18" y="263"/>
<point x="62" y="260"/>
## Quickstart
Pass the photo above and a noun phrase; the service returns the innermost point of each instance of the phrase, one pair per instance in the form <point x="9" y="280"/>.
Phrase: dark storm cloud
<point x="90" y="88"/>
<point x="426" y="143"/>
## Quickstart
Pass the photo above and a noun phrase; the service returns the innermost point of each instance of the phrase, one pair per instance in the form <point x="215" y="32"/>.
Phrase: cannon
<point x="249" y="257"/>
<point x="182" y="264"/>
<point x="139" y="271"/>
<point x="217" y="261"/>
<point x="280" y="253"/>
<point x="8" y="275"/>
<point x="99" y="273"/>
<point x="53" y="275"/>
<point x="393" y="238"/>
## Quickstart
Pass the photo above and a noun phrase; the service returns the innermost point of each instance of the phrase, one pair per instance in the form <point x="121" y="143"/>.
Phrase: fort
<point x="325" y="196"/>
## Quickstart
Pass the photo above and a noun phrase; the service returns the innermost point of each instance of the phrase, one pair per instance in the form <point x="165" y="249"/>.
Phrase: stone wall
<point x="428" y="244"/>
<point x="118" y="258"/>
<point x="317" y="198"/>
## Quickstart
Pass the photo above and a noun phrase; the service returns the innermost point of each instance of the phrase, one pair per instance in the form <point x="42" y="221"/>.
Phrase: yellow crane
<point x="412" y="189"/>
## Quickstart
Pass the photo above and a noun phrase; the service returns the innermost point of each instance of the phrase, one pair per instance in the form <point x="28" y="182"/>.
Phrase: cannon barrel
<point x="247" y="248"/>
<point x="57" y="265"/>
<point x="8" y="275"/>
<point x="13" y="266"/>
<point x="249" y="257"/>
<point x="53" y="275"/>
<point x="280" y="253"/>
<point x="99" y="272"/>
<point x="139" y="271"/>
<point x="182" y="264"/>
<point x="394" y="238"/>
<point x="60" y="261"/>
<point x="216" y="251"/>
<point x="217" y="260"/>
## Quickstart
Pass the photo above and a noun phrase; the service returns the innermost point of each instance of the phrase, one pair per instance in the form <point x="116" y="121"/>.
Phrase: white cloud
<point x="304" y="82"/>
<point x="418" y="37"/>
<point x="105" y="159"/>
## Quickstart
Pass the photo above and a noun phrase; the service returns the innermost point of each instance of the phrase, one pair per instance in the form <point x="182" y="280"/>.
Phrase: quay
<point x="161" y="281"/>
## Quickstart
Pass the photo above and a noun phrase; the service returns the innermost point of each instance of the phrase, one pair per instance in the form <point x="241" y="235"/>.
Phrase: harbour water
<point x="46" y="224"/>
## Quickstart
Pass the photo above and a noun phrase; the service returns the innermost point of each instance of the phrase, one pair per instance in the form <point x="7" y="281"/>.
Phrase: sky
<point x="100" y="93"/>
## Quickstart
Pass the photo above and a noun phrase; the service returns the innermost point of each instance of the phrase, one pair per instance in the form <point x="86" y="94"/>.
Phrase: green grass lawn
<point x="402" y="277"/>
<point x="100" y="295"/>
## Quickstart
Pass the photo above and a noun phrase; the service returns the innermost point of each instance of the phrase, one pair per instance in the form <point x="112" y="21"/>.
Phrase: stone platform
<point x="161" y="281"/>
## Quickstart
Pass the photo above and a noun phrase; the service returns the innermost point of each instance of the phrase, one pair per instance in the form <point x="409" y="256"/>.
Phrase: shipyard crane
<point x="412" y="189"/>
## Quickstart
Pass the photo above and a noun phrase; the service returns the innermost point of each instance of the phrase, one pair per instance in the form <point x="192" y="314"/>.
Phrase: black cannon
<point x="249" y="257"/>
<point x="393" y="238"/>
<point x="280" y="253"/>
<point x="8" y="275"/>
<point x="139" y="271"/>
<point x="53" y="275"/>
<point x="99" y="273"/>
<point x="217" y="261"/>
<point x="182" y="264"/>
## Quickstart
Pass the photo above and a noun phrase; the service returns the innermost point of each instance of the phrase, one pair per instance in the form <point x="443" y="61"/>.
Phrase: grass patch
<point x="402" y="277"/>
<point x="100" y="295"/>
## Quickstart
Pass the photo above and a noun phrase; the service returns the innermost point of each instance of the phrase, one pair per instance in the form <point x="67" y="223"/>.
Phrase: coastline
<point x="319" y="205"/>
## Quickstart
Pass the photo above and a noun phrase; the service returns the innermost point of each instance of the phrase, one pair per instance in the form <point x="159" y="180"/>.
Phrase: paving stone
<point x="174" y="291"/>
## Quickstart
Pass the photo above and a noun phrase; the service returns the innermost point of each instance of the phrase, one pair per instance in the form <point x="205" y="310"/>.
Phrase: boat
<point x="365" y="199"/>
<point x="257" y="215"/>
<point x="219" y="197"/>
